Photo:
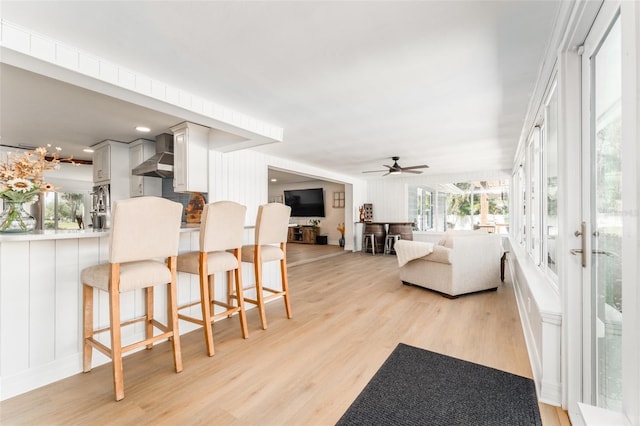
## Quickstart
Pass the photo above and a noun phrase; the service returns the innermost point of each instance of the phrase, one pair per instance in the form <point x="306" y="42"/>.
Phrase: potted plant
<point x="314" y="224"/>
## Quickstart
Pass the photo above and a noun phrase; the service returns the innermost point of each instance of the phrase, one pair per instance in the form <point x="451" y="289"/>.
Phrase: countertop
<point x="79" y="233"/>
<point x="50" y="234"/>
<point x="53" y="235"/>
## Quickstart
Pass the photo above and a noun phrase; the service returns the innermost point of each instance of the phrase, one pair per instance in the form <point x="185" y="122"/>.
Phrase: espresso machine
<point x="101" y="207"/>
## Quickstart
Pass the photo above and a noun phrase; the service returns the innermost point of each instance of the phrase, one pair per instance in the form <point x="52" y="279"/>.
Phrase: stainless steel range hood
<point x="161" y="164"/>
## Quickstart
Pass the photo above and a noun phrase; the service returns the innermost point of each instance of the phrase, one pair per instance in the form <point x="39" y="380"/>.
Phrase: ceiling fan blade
<point x="388" y="173"/>
<point x="374" y="171"/>
<point x="424" y="166"/>
<point x="415" y="172"/>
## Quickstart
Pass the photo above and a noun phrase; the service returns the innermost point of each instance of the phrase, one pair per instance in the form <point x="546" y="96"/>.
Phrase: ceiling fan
<point x="396" y="169"/>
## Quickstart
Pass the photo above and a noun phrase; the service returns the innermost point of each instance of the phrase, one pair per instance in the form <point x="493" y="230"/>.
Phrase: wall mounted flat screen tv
<point x="305" y="202"/>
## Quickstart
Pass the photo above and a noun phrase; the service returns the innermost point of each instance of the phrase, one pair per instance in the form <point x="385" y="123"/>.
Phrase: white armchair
<point x="462" y="262"/>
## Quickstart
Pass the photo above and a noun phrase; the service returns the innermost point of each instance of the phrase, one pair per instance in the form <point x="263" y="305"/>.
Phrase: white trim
<point x="630" y="20"/>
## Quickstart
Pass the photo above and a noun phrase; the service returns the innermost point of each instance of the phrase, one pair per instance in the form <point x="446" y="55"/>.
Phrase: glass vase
<point x="15" y="218"/>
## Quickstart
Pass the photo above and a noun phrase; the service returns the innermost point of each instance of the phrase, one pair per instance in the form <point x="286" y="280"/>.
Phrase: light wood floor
<point x="350" y="311"/>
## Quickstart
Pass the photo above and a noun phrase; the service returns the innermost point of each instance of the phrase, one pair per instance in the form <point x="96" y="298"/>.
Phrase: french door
<point x="606" y="202"/>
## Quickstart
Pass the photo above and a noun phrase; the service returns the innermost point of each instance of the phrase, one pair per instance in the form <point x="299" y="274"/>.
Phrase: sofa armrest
<point x="439" y="254"/>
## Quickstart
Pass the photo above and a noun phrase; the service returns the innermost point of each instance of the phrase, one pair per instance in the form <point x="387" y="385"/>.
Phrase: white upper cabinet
<point x="190" y="161"/>
<point x="102" y="163"/>
<point x="111" y="166"/>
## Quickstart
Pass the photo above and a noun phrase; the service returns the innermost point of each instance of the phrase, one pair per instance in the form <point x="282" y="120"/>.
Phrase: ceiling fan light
<point x="395" y="172"/>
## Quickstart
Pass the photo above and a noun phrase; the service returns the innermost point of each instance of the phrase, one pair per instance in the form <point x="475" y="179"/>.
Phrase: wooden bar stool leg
<point x="238" y="282"/>
<point x="173" y="318"/>
<point x="285" y="281"/>
<point x="148" y="329"/>
<point x="230" y="290"/>
<point x="116" y="338"/>
<point x="205" y="302"/>
<point x="259" y="292"/>
<point x="87" y="349"/>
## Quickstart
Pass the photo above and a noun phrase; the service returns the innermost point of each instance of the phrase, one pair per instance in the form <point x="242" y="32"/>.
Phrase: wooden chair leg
<point x="116" y="338"/>
<point x="173" y="317"/>
<point x="205" y="298"/>
<point x="87" y="350"/>
<point x="285" y="286"/>
<point x="230" y="290"/>
<point x="238" y="282"/>
<point x="148" y="329"/>
<point x="259" y="293"/>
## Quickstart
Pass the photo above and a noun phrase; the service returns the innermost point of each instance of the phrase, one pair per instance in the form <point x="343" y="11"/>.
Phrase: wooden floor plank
<point x="350" y="311"/>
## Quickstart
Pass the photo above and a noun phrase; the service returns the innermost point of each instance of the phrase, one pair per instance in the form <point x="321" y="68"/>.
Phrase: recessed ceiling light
<point x="143" y="129"/>
<point x="89" y="150"/>
<point x="274" y="180"/>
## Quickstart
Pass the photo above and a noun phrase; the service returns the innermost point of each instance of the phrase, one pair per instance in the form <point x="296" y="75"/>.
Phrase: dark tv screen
<point x="305" y="202"/>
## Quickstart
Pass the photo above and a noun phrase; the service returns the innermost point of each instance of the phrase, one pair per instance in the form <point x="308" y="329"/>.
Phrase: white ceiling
<point x="443" y="83"/>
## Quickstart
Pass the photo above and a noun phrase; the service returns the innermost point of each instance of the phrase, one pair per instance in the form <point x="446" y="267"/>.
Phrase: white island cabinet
<point x="41" y="302"/>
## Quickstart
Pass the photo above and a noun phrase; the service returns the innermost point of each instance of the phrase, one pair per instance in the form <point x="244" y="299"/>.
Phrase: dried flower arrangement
<point x="21" y="180"/>
<point x="21" y="176"/>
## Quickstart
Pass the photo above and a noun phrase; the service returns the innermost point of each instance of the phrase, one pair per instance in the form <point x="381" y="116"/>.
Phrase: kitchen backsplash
<point x="180" y="197"/>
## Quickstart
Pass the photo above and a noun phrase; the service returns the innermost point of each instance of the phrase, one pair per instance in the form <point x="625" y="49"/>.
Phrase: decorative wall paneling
<point x="41" y="305"/>
<point x="540" y="311"/>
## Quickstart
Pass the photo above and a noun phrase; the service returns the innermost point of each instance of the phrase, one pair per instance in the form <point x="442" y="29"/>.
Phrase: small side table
<point x="503" y="259"/>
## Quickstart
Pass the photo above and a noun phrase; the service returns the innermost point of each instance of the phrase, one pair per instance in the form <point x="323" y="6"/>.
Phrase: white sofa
<point x="462" y="262"/>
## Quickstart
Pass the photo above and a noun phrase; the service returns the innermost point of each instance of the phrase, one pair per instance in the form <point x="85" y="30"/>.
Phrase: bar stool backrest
<point x="272" y="224"/>
<point x="222" y="226"/>
<point x="144" y="228"/>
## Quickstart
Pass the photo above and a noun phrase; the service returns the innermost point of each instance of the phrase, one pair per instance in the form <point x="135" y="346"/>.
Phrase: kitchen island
<point x="41" y="303"/>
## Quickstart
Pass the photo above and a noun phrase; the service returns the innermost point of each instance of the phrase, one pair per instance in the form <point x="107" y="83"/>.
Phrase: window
<point x="536" y="183"/>
<point x="461" y="205"/>
<point x="64" y="210"/>
<point x="550" y="207"/>
<point x="533" y="192"/>
<point x="520" y="206"/>
<point x="476" y="205"/>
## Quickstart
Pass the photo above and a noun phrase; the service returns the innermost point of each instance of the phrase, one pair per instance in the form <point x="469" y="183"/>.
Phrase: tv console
<point x="304" y="234"/>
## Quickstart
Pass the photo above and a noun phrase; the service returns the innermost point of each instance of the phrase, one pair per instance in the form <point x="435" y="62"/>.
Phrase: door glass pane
<point x="606" y="212"/>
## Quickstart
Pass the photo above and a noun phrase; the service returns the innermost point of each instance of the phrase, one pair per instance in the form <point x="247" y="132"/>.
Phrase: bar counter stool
<point x="390" y="242"/>
<point x="369" y="239"/>
<point x="272" y="225"/>
<point x="143" y="230"/>
<point x="221" y="233"/>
